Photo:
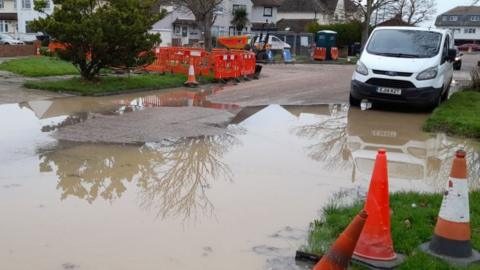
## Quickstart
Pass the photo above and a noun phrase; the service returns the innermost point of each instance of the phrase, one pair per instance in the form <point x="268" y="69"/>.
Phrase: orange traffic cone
<point x="191" y="81"/>
<point x="451" y="239"/>
<point x="339" y="255"/>
<point x="375" y="246"/>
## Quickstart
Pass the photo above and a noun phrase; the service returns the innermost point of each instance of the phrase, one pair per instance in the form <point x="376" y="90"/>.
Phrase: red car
<point x="469" y="47"/>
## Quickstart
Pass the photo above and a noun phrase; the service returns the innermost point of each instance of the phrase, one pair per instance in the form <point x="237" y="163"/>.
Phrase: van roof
<point x="430" y="29"/>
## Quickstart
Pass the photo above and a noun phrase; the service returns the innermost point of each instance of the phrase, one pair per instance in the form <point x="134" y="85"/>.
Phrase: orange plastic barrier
<point x="222" y="63"/>
<point x="334" y="53"/>
<point x="320" y="54"/>
<point x="54" y="46"/>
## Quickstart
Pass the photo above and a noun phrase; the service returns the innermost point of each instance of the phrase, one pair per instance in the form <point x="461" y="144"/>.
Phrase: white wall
<point x="257" y="15"/>
<point x="225" y="19"/>
<point x="463" y="35"/>
<point x="321" y="18"/>
<point x="28" y="14"/>
<point x="8" y="6"/>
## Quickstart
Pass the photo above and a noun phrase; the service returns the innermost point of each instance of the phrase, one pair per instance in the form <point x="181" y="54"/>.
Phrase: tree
<point x="240" y="19"/>
<point x="367" y="8"/>
<point x="100" y="34"/>
<point x="204" y="12"/>
<point x="413" y="12"/>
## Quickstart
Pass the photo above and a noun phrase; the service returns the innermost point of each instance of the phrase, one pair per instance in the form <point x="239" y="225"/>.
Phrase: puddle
<point x="244" y="197"/>
<point x="78" y="109"/>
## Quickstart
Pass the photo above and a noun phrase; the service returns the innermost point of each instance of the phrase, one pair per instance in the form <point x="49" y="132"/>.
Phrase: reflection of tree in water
<point x="330" y="136"/>
<point x="172" y="176"/>
<point x="179" y="186"/>
<point x="89" y="171"/>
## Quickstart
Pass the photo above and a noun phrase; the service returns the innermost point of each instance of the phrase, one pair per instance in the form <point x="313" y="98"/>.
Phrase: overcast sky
<point x="444" y="5"/>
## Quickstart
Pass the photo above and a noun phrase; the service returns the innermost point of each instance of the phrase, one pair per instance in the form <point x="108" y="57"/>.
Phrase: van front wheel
<point x="353" y="101"/>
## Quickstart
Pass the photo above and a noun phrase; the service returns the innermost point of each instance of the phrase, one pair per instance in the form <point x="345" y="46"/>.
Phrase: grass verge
<point x="458" y="116"/>
<point x="41" y="66"/>
<point x="110" y="84"/>
<point x="411" y="226"/>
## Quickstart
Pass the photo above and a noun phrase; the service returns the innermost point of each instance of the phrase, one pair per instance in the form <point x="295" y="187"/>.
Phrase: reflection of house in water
<point x="77" y="109"/>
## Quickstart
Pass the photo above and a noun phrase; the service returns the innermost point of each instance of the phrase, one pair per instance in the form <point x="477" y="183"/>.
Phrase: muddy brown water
<point x="240" y="200"/>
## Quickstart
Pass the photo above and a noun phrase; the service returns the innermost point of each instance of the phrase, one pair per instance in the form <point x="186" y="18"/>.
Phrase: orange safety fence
<point x="222" y="63"/>
<point x="320" y="54"/>
<point x="334" y="53"/>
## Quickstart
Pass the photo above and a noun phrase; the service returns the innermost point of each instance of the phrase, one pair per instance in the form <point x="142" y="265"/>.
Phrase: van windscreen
<point x="405" y="43"/>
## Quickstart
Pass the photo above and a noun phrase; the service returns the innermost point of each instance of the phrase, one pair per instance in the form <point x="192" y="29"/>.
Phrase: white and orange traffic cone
<point x="451" y="239"/>
<point x="191" y="81"/>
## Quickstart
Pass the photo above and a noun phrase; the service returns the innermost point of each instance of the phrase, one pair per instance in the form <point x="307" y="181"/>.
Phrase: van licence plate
<point x="388" y="90"/>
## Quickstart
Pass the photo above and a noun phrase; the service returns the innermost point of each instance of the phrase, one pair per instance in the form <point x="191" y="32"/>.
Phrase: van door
<point x="446" y="67"/>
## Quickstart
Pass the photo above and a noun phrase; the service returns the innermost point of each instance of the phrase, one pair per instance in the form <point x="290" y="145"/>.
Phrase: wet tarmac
<point x="242" y="199"/>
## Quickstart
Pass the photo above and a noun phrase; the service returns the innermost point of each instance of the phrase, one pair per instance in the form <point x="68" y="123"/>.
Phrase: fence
<point x="221" y="63"/>
<point x="17" y="50"/>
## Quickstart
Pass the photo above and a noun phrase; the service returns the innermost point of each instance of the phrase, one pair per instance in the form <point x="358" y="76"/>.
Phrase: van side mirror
<point x="452" y="54"/>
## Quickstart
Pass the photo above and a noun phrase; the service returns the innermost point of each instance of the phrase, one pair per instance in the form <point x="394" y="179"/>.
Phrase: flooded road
<point x="239" y="200"/>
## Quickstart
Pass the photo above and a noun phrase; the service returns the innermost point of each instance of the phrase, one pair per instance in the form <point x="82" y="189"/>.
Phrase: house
<point x="179" y="28"/>
<point x="295" y="14"/>
<point x="463" y="21"/>
<point x="264" y="15"/>
<point x="15" y="16"/>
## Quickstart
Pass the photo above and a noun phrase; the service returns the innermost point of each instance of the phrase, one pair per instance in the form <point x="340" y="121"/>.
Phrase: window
<point x="444" y="18"/>
<point x="268" y="11"/>
<point x="27" y="27"/>
<point x="474" y="18"/>
<point x="2" y="4"/>
<point x="445" y="49"/>
<point x="455" y="30"/>
<point x="26" y="4"/>
<point x="3" y="26"/>
<point x="235" y="7"/>
<point x="453" y="18"/>
<point x="405" y="43"/>
<point x="469" y="31"/>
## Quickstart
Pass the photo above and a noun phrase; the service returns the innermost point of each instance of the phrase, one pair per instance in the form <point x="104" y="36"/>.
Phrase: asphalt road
<point x="292" y="85"/>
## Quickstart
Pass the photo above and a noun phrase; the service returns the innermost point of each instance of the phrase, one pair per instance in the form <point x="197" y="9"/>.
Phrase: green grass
<point x="460" y="115"/>
<point x="411" y="226"/>
<point x="39" y="67"/>
<point x="111" y="84"/>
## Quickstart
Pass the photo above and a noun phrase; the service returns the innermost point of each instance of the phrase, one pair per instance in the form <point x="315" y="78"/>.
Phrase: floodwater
<point x="240" y="200"/>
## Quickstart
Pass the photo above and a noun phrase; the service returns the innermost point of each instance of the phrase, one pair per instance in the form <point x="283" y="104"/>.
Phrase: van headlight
<point x="428" y="74"/>
<point x="361" y="69"/>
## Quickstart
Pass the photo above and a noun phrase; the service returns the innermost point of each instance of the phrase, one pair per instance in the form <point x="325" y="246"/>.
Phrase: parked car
<point x="469" y="47"/>
<point x="406" y="65"/>
<point x="6" y="39"/>
<point x="457" y="65"/>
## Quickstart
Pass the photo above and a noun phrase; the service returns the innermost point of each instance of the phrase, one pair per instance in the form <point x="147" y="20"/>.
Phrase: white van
<point x="274" y="42"/>
<point x="408" y="65"/>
